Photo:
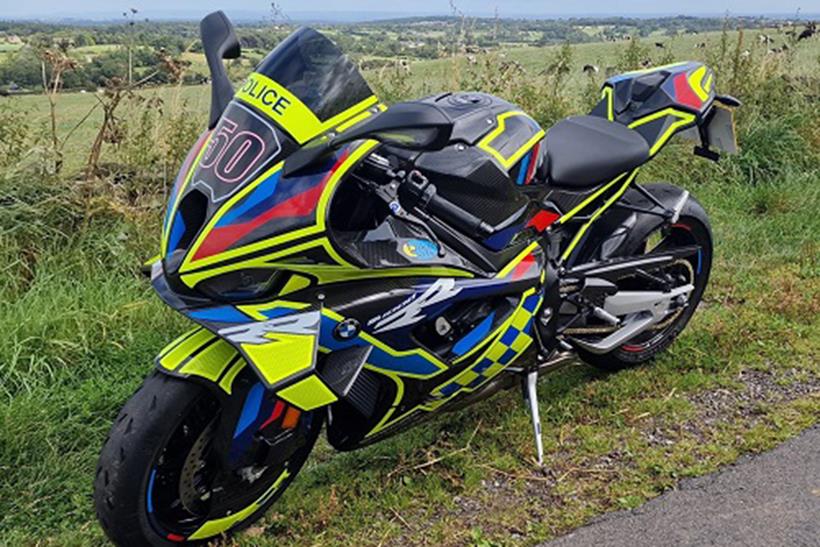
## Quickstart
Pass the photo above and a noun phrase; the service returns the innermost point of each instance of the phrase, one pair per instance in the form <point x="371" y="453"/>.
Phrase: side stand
<point x="528" y="383"/>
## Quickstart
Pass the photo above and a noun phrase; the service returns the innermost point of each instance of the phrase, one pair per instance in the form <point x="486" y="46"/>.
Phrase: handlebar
<point x="427" y="198"/>
<point x="430" y="200"/>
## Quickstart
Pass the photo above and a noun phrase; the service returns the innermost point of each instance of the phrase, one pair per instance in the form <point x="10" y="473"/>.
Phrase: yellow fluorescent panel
<point x="308" y="394"/>
<point x="284" y="356"/>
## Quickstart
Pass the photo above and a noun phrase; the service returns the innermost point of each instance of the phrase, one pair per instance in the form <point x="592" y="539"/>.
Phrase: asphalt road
<point x="768" y="500"/>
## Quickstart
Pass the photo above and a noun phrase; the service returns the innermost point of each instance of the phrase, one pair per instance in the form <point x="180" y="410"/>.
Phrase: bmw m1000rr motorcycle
<point x="366" y="267"/>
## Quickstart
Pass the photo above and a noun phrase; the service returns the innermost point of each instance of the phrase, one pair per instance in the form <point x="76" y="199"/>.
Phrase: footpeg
<point x="529" y="383"/>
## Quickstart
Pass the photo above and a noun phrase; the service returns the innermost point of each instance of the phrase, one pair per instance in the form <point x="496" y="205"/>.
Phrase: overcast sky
<point x="194" y="8"/>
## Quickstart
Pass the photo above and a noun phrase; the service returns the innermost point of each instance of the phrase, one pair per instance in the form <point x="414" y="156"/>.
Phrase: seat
<point x="585" y="151"/>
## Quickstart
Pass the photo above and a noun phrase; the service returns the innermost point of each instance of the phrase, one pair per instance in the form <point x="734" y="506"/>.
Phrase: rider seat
<point x="585" y="151"/>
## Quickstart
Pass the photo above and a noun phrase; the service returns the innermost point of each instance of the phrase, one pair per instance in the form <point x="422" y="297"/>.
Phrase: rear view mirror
<point x="413" y="125"/>
<point x="219" y="41"/>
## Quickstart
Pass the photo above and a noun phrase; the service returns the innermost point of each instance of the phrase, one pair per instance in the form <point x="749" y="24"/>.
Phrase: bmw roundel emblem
<point x="347" y="329"/>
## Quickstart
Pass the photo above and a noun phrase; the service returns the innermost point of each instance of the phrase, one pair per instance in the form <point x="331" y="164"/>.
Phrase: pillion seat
<point x="584" y="151"/>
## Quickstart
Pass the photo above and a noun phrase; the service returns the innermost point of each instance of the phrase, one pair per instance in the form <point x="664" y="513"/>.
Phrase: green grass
<point x="79" y="328"/>
<point x="96" y="49"/>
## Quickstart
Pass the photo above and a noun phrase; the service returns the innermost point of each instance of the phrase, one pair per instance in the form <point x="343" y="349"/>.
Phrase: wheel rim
<point x="691" y="269"/>
<point x="187" y="487"/>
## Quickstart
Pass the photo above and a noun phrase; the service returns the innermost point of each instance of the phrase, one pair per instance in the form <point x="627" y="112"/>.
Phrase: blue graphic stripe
<point x="525" y="165"/>
<point x="472" y="338"/>
<point x="150" y="494"/>
<point x="411" y="363"/>
<point x="177" y="230"/>
<point x="482" y="366"/>
<point x="532" y="302"/>
<point x="250" y="410"/>
<point x="507" y="356"/>
<point x="509" y="336"/>
<point x="272" y="191"/>
<point x="258" y="201"/>
<point x="223" y="314"/>
<point x="277" y="312"/>
<point x="449" y="389"/>
<point x="500" y="239"/>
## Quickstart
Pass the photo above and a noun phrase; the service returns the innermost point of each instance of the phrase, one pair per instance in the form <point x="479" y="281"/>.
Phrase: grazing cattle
<point x="765" y="39"/>
<point x="808" y="32"/>
<point x="701" y="45"/>
<point x="590" y="69"/>
<point x="646" y="63"/>
<point x="659" y="45"/>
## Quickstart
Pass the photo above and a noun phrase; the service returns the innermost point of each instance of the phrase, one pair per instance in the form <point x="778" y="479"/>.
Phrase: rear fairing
<point x="659" y="102"/>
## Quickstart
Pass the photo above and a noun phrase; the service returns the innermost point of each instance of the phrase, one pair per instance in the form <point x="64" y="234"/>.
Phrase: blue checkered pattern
<point x="511" y="343"/>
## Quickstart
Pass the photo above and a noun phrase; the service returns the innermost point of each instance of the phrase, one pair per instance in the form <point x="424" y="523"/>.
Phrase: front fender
<point x="203" y="355"/>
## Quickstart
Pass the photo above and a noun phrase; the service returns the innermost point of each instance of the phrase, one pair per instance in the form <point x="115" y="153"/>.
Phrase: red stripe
<point x="277" y="411"/>
<point x="175" y="537"/>
<point x="523" y="267"/>
<point x="684" y="94"/>
<point x="221" y="238"/>
<point x="299" y="205"/>
<point x="543" y="219"/>
<point x="533" y="161"/>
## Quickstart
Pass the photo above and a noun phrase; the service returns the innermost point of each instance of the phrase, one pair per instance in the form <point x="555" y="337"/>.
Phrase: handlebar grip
<point x="460" y="218"/>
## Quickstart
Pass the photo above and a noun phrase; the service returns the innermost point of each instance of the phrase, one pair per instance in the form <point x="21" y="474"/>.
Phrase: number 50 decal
<point x="233" y="155"/>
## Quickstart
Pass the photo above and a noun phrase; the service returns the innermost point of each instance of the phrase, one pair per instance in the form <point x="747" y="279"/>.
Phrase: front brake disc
<point x="193" y="490"/>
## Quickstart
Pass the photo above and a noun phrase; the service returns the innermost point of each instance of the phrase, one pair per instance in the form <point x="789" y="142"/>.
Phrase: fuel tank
<point x="496" y="150"/>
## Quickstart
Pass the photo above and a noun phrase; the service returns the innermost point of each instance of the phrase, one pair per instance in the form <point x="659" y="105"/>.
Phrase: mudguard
<point x="620" y="229"/>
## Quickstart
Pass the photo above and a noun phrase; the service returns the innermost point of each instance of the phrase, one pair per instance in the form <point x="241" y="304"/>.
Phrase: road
<point x="767" y="500"/>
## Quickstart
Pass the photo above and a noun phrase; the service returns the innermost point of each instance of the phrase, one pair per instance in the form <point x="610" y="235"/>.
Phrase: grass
<point x="79" y="328"/>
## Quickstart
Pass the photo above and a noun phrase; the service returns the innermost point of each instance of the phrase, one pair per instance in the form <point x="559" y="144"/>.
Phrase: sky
<point x="108" y="9"/>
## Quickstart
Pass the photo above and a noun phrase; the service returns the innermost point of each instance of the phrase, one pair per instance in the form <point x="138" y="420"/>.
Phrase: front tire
<point x="162" y="432"/>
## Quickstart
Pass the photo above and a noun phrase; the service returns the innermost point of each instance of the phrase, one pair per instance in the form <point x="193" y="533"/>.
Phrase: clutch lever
<point x="389" y="193"/>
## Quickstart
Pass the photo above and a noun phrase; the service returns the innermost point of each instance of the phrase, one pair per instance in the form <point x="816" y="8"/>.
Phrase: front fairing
<point x="230" y="198"/>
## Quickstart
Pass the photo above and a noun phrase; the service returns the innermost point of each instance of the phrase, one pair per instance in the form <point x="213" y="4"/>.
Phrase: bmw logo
<point x="347" y="329"/>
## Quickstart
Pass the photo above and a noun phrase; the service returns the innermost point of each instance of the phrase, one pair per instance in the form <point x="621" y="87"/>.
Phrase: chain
<point x="660" y="326"/>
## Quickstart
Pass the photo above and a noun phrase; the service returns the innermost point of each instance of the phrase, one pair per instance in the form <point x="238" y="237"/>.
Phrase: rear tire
<point x="148" y="422"/>
<point x="692" y="227"/>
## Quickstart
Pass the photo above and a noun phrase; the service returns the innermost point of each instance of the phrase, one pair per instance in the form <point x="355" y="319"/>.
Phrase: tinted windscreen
<point x="311" y="67"/>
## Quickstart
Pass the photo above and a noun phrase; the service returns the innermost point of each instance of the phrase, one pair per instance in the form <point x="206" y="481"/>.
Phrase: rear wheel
<point x="692" y="228"/>
<point x="160" y="480"/>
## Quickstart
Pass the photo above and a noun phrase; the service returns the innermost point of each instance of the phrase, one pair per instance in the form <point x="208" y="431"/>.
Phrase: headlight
<point x="250" y="284"/>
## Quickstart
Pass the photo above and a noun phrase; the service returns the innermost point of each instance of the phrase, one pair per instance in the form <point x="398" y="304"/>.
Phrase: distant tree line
<point x="413" y="38"/>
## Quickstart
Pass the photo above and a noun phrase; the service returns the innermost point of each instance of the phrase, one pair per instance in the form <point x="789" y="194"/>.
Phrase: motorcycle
<point x="365" y="268"/>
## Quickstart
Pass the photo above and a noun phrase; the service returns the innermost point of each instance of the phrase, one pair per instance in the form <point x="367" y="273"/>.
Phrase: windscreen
<point x="302" y="89"/>
<point x="313" y="69"/>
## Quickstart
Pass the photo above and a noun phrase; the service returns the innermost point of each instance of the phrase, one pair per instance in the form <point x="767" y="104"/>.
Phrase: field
<point x="79" y="327"/>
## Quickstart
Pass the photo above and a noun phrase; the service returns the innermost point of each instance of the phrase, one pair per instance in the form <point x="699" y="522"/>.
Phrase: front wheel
<point x="160" y="480"/>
